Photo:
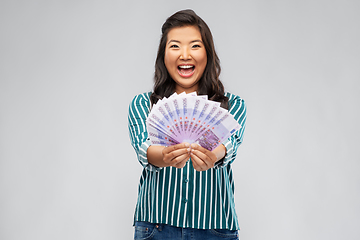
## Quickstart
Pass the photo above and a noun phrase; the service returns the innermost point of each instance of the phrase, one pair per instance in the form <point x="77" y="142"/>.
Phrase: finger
<point x="195" y="163"/>
<point x="174" y="154"/>
<point x="206" y="158"/>
<point x="175" y="147"/>
<point x="196" y="146"/>
<point x="198" y="164"/>
<point x="182" y="163"/>
<point x="179" y="159"/>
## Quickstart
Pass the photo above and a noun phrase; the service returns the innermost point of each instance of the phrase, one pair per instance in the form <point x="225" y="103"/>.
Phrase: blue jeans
<point x="145" y="231"/>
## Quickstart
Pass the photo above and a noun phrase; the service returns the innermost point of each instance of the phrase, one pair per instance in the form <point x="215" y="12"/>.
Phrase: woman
<point x="185" y="191"/>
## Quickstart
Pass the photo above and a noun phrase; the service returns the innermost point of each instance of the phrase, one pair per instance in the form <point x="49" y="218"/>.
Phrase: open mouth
<point x="186" y="70"/>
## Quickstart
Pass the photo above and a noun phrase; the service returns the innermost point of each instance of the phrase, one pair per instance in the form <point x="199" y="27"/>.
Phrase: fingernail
<point x="187" y="144"/>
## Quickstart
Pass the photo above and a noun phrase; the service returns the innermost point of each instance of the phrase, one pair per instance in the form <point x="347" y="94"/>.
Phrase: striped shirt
<point x="185" y="197"/>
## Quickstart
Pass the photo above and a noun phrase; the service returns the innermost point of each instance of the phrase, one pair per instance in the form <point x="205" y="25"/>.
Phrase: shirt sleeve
<point x="237" y="108"/>
<point x="139" y="109"/>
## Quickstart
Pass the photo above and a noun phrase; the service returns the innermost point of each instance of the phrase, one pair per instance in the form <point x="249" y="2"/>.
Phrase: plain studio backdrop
<point x="69" y="69"/>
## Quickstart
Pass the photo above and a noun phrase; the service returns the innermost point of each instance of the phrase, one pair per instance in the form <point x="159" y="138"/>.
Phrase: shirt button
<point x="185" y="200"/>
<point x="186" y="180"/>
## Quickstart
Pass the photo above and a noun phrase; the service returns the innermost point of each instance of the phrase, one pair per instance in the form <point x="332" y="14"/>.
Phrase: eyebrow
<point x="190" y="42"/>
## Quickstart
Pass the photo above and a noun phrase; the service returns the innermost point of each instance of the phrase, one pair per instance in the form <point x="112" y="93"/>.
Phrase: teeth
<point x="185" y="66"/>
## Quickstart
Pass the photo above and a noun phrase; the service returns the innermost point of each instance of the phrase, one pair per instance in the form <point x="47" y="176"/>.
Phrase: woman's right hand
<point x="176" y="155"/>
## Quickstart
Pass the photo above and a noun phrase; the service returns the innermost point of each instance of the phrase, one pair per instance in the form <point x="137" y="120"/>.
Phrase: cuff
<point x="228" y="157"/>
<point x="143" y="157"/>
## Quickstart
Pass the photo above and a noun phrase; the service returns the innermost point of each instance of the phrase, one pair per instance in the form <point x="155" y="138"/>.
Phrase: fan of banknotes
<point x="189" y="118"/>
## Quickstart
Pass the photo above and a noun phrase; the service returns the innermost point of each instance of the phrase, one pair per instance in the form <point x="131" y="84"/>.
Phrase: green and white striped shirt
<point x="185" y="197"/>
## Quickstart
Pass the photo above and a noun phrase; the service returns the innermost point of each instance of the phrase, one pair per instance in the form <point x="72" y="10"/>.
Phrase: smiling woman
<point x="185" y="190"/>
<point x="177" y="25"/>
<point x="185" y="58"/>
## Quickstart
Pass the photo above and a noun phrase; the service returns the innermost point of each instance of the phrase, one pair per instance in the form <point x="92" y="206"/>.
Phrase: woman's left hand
<point x="203" y="159"/>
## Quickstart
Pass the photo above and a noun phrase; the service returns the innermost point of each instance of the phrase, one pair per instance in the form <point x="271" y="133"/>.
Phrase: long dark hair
<point x="209" y="84"/>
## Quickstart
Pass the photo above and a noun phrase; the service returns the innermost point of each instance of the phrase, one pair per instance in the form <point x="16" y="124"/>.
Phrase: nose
<point x="185" y="54"/>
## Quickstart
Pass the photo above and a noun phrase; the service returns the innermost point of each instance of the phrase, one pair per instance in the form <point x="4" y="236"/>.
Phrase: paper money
<point x="189" y="118"/>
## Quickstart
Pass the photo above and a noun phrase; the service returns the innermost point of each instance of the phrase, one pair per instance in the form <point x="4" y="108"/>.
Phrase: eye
<point x="174" y="46"/>
<point x="196" y="46"/>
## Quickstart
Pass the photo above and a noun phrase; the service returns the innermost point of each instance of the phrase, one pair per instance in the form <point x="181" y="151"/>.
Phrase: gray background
<point x="68" y="70"/>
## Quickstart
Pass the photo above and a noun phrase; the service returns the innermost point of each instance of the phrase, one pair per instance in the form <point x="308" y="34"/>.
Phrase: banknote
<point x="157" y="137"/>
<point x="189" y="118"/>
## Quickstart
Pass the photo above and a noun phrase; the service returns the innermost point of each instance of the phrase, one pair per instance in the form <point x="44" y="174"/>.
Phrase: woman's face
<point x="185" y="57"/>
